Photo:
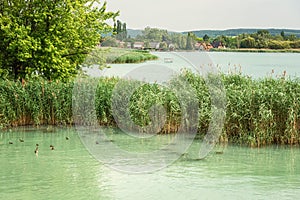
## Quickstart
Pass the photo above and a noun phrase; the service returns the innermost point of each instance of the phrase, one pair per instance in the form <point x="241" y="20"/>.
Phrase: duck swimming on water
<point x="36" y="151"/>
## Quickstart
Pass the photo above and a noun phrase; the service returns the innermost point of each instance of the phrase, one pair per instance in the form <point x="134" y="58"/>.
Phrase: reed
<point x="258" y="111"/>
<point x="35" y="102"/>
<point x="119" y="55"/>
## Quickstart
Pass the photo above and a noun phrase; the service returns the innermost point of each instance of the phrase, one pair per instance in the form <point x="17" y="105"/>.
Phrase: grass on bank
<point x="258" y="111"/>
<point x="112" y="55"/>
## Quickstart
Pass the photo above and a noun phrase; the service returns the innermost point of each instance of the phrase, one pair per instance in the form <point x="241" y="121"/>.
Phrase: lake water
<point x="229" y="172"/>
<point x="70" y="172"/>
<point x="256" y="65"/>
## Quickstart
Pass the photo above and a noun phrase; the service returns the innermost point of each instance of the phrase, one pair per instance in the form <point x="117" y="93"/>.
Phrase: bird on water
<point x="36" y="151"/>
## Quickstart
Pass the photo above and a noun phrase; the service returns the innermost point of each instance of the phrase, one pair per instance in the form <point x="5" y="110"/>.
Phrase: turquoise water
<point x="70" y="172"/>
<point x="229" y="172"/>
<point x="256" y="65"/>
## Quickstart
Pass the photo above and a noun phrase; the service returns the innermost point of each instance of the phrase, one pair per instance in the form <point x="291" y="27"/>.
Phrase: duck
<point x="51" y="147"/>
<point x="21" y="140"/>
<point x="67" y="138"/>
<point x="10" y="142"/>
<point x="36" y="151"/>
<point x="219" y="152"/>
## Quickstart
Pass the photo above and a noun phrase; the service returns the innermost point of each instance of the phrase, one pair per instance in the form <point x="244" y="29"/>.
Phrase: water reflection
<point x="70" y="172"/>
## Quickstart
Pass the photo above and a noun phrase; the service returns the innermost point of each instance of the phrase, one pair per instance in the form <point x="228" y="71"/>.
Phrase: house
<point x="202" y="46"/>
<point x="138" y="45"/>
<point x="152" y="46"/>
<point x="171" y="47"/>
<point x="217" y="44"/>
<point x="122" y="44"/>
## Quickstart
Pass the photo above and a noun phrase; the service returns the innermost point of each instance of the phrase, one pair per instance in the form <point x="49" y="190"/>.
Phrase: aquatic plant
<point x="258" y="111"/>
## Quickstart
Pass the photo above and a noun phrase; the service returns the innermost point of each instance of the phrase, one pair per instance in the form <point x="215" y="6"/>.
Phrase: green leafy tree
<point x="282" y="34"/>
<point x="206" y="38"/>
<point x="124" y="31"/>
<point x="49" y="38"/>
<point x="295" y="44"/>
<point x="274" y="44"/>
<point x="163" y="46"/>
<point x="109" y="42"/>
<point x="121" y="31"/>
<point x="248" y="42"/>
<point x="189" y="42"/>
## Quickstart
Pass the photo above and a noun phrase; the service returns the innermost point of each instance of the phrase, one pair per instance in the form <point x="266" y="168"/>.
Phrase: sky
<point x="188" y="15"/>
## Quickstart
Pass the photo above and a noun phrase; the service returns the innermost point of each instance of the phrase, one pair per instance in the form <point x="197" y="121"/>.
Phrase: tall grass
<point x="258" y="111"/>
<point x="119" y="55"/>
<point x="35" y="101"/>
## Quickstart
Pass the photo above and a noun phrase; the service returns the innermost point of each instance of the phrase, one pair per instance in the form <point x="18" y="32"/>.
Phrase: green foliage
<point x="189" y="42"/>
<point x="49" y="38"/>
<point x="109" y="42"/>
<point x="120" y="31"/>
<point x="206" y="38"/>
<point x="295" y="44"/>
<point x="248" y="42"/>
<point x="163" y="46"/>
<point x="35" y="101"/>
<point x="154" y="34"/>
<point x="258" y="111"/>
<point x="105" y="56"/>
<point x="262" y="39"/>
<point x="273" y="44"/>
<point x="157" y="35"/>
<point x="232" y="39"/>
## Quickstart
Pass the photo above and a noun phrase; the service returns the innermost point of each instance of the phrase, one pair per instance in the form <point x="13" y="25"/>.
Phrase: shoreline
<point x="257" y="50"/>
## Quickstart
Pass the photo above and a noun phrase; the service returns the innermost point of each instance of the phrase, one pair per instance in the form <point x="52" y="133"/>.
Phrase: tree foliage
<point x="120" y="30"/>
<point x="262" y="39"/>
<point x="189" y="42"/>
<point x="49" y="38"/>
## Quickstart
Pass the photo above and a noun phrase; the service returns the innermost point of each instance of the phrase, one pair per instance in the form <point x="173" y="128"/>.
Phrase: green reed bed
<point x="121" y="56"/>
<point x="135" y="56"/>
<point x="35" y="102"/>
<point x="258" y="111"/>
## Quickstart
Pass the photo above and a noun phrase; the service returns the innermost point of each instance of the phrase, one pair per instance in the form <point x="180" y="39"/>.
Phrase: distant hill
<point x="133" y="33"/>
<point x="234" y="32"/>
<point x="229" y="32"/>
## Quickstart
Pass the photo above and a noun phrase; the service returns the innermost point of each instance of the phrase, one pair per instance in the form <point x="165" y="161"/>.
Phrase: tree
<point x="248" y="42"/>
<point x="282" y="34"/>
<point x="154" y="34"/>
<point x="124" y="31"/>
<point x="189" y="42"/>
<point x="163" y="46"/>
<point x="109" y="42"/>
<point x="49" y="38"/>
<point x="273" y="44"/>
<point x="121" y="31"/>
<point x="206" y="38"/>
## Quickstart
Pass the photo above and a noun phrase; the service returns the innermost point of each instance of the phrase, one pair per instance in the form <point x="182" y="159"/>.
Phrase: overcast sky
<point x="186" y="15"/>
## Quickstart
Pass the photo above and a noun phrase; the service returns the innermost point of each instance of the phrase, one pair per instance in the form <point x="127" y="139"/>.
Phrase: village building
<point x="138" y="45"/>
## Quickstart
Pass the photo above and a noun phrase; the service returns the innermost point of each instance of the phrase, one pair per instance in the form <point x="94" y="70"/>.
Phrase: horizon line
<point x="221" y="29"/>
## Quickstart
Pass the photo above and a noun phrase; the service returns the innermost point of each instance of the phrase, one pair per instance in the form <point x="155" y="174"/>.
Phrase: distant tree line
<point x="262" y="39"/>
<point x="149" y="35"/>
